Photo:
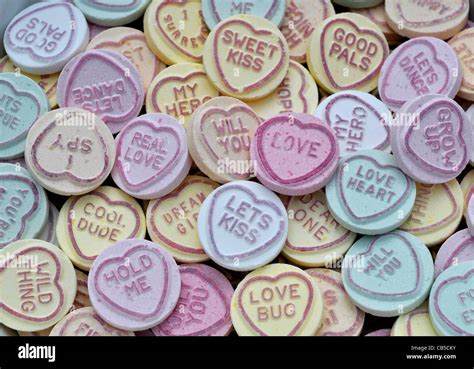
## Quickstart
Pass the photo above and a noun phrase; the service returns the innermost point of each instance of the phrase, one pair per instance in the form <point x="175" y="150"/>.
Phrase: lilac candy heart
<point x="103" y="82"/>
<point x="424" y="65"/>
<point x="152" y="156"/>
<point x="434" y="145"/>
<point x="134" y="285"/>
<point x="203" y="308"/>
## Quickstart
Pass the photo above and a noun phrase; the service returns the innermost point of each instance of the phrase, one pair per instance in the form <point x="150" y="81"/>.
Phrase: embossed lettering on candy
<point x="70" y="151"/>
<point x="242" y="225"/>
<point x="22" y="102"/>
<point x="38" y="285"/>
<point x="134" y="285"/>
<point x="252" y="45"/>
<point x="359" y="120"/>
<point x="103" y="82"/>
<point x="203" y="307"/>
<point x="452" y="301"/>
<point x="277" y="300"/>
<point x="369" y="194"/>
<point x="152" y="156"/>
<point x="395" y="271"/>
<point x="40" y="39"/>
<point x="23" y="205"/>
<point x="347" y="42"/>
<point x="424" y="65"/>
<point x="214" y="11"/>
<point x="220" y="136"/>
<point x="435" y="146"/>
<point x="295" y="154"/>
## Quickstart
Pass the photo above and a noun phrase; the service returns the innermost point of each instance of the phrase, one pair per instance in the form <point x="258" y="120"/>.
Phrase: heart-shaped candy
<point x="204" y="305"/>
<point x="103" y="82"/>
<point x="277" y="300"/>
<point x="41" y="38"/>
<point x="141" y="168"/>
<point x="152" y="156"/>
<point x="402" y="79"/>
<point x="229" y="40"/>
<point x="86" y="322"/>
<point x="345" y="44"/>
<point x="242" y="225"/>
<point x="389" y="274"/>
<point x="38" y="285"/>
<point x="369" y="193"/>
<point x="385" y="183"/>
<point x="451" y="301"/>
<point x="39" y="35"/>
<point x="70" y="151"/>
<point x="437" y="143"/>
<point x="433" y="12"/>
<point x="172" y="219"/>
<point x="97" y="220"/>
<point x="168" y="16"/>
<point x="359" y="120"/>
<point x="24" y="205"/>
<point x="291" y="151"/>
<point x="25" y="107"/>
<point x="228" y="133"/>
<point x="396" y="250"/>
<point x="134" y="284"/>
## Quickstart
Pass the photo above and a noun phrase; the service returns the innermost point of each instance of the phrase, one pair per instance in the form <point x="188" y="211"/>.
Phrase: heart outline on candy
<point x="359" y="319"/>
<point x="268" y="15"/>
<point x="28" y="95"/>
<point x="442" y="19"/>
<point x="121" y="43"/>
<point x="67" y="173"/>
<point x="227" y="113"/>
<point x="217" y="324"/>
<point x="70" y="218"/>
<point x="345" y="202"/>
<point x="465" y="40"/>
<point x="441" y="222"/>
<point x="57" y="275"/>
<point x="161" y="172"/>
<point x="270" y="124"/>
<point x="258" y="82"/>
<point x="317" y="248"/>
<point x="367" y="76"/>
<point x="411" y="315"/>
<point x="120" y="259"/>
<point x="409" y="131"/>
<point x="324" y="246"/>
<point x="165" y="80"/>
<point x="123" y="72"/>
<point x="301" y="92"/>
<point x="371" y="245"/>
<point x="273" y="280"/>
<point x="29" y="50"/>
<point x="450" y="323"/>
<point x="257" y="250"/>
<point x="81" y="316"/>
<point x="380" y="118"/>
<point x="176" y="194"/>
<point x="30" y="212"/>
<point x="400" y="54"/>
<point x="159" y="24"/>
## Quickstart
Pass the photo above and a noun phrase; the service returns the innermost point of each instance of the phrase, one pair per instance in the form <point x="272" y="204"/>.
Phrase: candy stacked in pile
<point x="261" y="167"/>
